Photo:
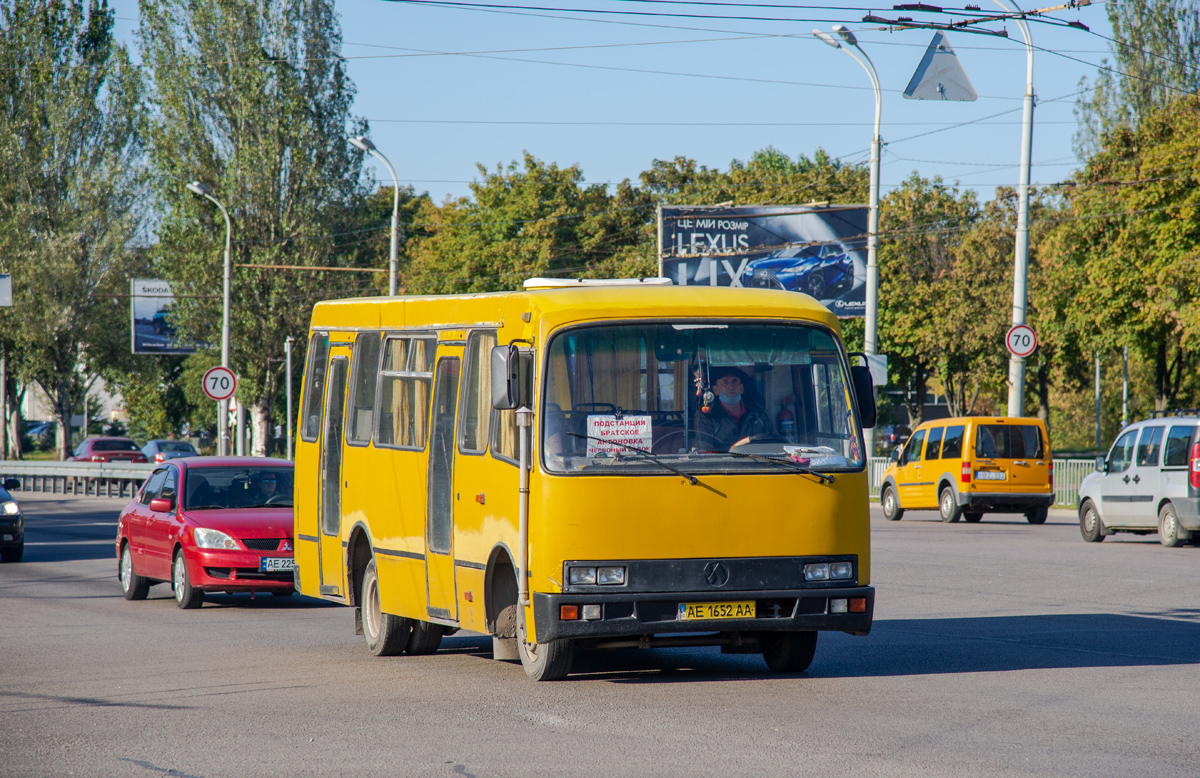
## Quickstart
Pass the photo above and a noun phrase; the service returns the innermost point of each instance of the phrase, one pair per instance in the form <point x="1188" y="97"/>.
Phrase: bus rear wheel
<point x="386" y="635"/>
<point x="426" y="638"/>
<point x="545" y="661"/>
<point x="788" y="652"/>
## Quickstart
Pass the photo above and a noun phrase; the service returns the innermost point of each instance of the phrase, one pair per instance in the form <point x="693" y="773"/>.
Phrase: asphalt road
<point x="999" y="649"/>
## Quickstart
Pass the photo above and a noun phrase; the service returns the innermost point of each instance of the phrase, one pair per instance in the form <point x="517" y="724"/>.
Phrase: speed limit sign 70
<point x="220" y="383"/>
<point x="1021" y="340"/>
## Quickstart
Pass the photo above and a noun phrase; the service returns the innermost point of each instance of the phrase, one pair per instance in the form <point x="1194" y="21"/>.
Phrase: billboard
<point x="152" y="330"/>
<point x="820" y="250"/>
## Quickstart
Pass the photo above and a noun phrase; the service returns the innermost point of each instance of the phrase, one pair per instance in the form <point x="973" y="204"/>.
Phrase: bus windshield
<point x="699" y="397"/>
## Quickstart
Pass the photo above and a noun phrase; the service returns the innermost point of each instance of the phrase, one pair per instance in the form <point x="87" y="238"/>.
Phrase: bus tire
<point x="426" y="638"/>
<point x="890" y="504"/>
<point x="948" y="506"/>
<point x="386" y="635"/>
<point x="545" y="661"/>
<point x="788" y="652"/>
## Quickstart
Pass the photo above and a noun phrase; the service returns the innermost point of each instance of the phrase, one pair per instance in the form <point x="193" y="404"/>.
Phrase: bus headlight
<point x="580" y="576"/>
<point x="610" y="576"/>
<point x="829" y="571"/>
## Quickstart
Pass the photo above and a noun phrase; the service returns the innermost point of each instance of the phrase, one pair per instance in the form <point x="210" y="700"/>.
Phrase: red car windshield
<point x="211" y="488"/>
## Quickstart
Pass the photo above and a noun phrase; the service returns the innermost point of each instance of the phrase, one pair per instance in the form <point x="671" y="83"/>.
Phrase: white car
<point x="1149" y="482"/>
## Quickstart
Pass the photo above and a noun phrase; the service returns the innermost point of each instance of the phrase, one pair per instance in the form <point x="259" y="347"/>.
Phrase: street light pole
<point x="223" y="405"/>
<point x="870" y="323"/>
<point x="1016" y="365"/>
<point x="287" y="347"/>
<point x="364" y="143"/>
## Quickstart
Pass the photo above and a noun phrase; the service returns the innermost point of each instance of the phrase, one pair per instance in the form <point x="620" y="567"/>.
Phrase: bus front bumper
<point x="623" y="615"/>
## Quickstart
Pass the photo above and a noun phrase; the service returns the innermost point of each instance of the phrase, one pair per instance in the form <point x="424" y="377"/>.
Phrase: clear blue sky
<point x="445" y="88"/>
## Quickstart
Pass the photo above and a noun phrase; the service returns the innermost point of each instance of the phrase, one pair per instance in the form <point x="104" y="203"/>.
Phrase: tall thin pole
<point x="287" y="348"/>
<point x="1125" y="390"/>
<point x="1097" y="400"/>
<point x="1016" y="365"/>
<point x="222" y="405"/>
<point x="364" y="144"/>
<point x="3" y="403"/>
<point x="870" y="322"/>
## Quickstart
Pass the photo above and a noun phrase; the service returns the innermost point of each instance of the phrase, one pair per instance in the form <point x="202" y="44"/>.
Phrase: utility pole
<point x="287" y="349"/>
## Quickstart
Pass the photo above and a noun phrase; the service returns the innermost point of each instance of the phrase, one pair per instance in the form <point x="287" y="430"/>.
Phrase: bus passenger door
<point x="330" y="548"/>
<point x="439" y="526"/>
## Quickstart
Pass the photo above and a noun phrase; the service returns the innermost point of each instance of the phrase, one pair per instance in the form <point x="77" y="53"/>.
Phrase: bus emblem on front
<point x="716" y="573"/>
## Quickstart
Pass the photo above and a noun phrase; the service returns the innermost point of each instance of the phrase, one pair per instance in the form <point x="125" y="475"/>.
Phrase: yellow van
<point x="593" y="465"/>
<point x="966" y="467"/>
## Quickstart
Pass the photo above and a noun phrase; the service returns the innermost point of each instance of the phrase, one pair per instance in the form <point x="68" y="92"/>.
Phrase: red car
<point x="209" y="524"/>
<point x="107" y="450"/>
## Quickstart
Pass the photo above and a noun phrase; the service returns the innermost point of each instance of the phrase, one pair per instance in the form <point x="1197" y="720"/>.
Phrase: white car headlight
<point x="213" y="538"/>
<point x="11" y="508"/>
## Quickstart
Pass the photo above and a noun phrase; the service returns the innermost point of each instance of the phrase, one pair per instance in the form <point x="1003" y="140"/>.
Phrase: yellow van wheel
<point x="949" y="507"/>
<point x="891" y="506"/>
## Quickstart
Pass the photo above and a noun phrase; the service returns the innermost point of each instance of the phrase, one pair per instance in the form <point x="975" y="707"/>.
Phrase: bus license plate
<point x="990" y="475"/>
<point x="698" y="611"/>
<point x="278" y="564"/>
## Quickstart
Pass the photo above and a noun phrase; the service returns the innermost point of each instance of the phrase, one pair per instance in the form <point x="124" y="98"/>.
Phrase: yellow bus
<point x="694" y="471"/>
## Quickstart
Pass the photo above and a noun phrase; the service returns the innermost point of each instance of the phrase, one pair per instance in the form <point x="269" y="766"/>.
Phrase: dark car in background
<point x="162" y="450"/>
<point x="105" y="449"/>
<point x="12" y="524"/>
<point x="823" y="272"/>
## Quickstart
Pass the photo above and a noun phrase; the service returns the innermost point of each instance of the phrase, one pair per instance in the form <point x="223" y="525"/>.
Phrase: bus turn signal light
<point x="568" y="612"/>
<point x="858" y="604"/>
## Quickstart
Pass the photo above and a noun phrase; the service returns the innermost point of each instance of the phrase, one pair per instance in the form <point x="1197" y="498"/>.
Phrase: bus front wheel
<point x="789" y="652"/>
<point x="545" y="661"/>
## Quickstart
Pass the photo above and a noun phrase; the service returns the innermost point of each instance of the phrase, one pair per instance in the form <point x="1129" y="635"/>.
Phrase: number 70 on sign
<point x="1021" y="340"/>
<point x="220" y="383"/>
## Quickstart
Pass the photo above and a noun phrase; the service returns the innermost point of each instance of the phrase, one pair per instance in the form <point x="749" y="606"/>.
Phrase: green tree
<point x="252" y="98"/>
<point x="529" y="220"/>
<point x="1130" y="236"/>
<point x="70" y="182"/>
<point x="1156" y="59"/>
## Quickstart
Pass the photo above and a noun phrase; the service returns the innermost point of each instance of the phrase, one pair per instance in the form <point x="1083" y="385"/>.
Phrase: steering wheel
<point x="762" y="437"/>
<point x="275" y="499"/>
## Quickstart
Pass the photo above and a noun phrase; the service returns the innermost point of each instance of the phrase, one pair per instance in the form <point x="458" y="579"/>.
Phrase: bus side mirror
<point x="1101" y="465"/>
<point x="865" y="391"/>
<point x="506" y="378"/>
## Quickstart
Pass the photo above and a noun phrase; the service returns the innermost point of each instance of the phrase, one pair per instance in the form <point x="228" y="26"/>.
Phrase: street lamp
<point x="363" y="143"/>
<point x="222" y="405"/>
<point x="1016" y="365"/>
<point x="870" y="321"/>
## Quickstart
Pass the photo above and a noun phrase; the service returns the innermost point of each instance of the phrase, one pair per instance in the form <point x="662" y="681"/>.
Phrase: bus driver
<point x="735" y="415"/>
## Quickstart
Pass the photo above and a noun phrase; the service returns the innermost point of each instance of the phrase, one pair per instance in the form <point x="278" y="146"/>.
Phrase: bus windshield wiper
<point x="786" y="465"/>
<point x="691" y="479"/>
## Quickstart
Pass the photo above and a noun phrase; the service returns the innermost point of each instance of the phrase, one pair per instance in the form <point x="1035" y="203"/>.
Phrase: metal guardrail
<point x="83" y="479"/>
<point x="1068" y="474"/>
<point x="100" y="478"/>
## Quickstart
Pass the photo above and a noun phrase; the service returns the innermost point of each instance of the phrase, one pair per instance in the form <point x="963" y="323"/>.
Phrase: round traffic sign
<point x="1021" y="340"/>
<point x="220" y="383"/>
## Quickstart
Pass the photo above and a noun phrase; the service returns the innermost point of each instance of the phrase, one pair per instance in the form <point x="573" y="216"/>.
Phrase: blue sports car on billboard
<point x="823" y="271"/>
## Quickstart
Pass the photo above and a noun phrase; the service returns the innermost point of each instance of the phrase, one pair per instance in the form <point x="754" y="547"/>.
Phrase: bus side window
<point x="476" y="407"/>
<point x="362" y="388"/>
<point x="318" y="349"/>
<point x="403" y="397"/>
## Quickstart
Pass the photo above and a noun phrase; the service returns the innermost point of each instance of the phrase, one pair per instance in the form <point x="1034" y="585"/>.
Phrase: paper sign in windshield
<point x="632" y="431"/>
